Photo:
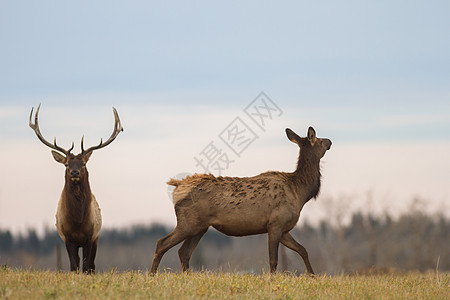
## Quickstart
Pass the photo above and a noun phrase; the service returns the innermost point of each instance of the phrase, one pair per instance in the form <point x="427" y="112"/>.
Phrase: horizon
<point x="373" y="77"/>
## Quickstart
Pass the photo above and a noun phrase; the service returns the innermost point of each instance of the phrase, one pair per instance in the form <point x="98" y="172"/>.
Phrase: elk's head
<point x="75" y="164"/>
<point x="314" y="146"/>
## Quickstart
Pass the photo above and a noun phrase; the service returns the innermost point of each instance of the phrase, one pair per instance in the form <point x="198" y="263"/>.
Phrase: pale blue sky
<point x="382" y="59"/>
<point x="365" y="72"/>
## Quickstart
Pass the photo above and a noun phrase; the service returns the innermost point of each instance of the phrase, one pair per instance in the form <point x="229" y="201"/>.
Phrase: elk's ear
<point x="59" y="157"/>
<point x="312" y="136"/>
<point x="293" y="137"/>
<point x="87" y="156"/>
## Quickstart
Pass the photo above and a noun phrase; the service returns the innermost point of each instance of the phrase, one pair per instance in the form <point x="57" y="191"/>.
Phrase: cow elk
<point x="78" y="218"/>
<point x="267" y="203"/>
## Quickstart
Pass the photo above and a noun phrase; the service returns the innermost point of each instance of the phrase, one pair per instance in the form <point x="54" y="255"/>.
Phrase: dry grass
<point x="30" y="284"/>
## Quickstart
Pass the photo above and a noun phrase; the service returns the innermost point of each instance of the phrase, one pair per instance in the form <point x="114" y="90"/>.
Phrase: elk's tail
<point x="184" y="186"/>
<point x="191" y="181"/>
<point x="174" y="182"/>
<point x="181" y="190"/>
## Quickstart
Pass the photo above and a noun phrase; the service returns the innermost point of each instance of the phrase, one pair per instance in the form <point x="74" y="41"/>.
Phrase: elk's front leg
<point x="291" y="243"/>
<point x="92" y="255"/>
<point x="89" y="251"/>
<point x="274" y="242"/>
<point x="74" y="258"/>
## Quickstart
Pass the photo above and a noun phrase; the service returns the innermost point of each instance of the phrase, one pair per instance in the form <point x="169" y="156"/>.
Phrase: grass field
<point x="29" y="284"/>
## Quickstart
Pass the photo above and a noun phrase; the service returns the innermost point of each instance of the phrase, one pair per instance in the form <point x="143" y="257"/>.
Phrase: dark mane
<point x="78" y="198"/>
<point x="308" y="173"/>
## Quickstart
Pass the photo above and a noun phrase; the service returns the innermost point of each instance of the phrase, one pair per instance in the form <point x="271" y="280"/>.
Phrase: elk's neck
<point x="307" y="177"/>
<point x="78" y="198"/>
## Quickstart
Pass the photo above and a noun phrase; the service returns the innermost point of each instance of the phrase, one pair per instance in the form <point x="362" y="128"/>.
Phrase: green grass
<point x="30" y="284"/>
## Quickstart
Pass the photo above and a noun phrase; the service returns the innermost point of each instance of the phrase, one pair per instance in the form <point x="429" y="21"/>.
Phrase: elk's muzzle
<point x="75" y="175"/>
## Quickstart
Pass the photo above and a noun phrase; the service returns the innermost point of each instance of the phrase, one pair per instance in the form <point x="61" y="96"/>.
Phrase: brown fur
<point x="78" y="218"/>
<point x="267" y="203"/>
<point x="78" y="197"/>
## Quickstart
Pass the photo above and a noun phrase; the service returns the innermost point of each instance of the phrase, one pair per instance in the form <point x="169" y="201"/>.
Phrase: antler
<point x="35" y="127"/>
<point x="117" y="129"/>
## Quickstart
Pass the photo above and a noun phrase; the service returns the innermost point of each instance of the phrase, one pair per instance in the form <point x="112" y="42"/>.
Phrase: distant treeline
<point x="413" y="241"/>
<point x="31" y="243"/>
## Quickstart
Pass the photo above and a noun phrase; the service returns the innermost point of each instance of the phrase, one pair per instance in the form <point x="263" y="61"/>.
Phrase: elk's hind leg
<point x="74" y="258"/>
<point x="291" y="243"/>
<point x="164" y="244"/>
<point x="188" y="247"/>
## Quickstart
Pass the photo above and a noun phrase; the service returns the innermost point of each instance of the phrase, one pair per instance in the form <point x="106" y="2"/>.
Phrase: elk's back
<point x="236" y="205"/>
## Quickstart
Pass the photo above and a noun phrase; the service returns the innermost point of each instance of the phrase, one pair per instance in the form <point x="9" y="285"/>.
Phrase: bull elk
<point x="267" y="203"/>
<point x="78" y="218"/>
